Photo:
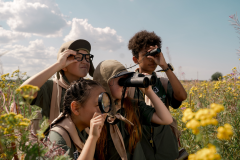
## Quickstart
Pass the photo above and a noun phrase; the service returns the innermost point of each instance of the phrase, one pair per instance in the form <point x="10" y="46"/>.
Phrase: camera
<point x="138" y="80"/>
<point x="153" y="52"/>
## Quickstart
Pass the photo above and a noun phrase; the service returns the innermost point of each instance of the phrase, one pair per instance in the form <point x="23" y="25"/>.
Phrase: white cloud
<point x="31" y="59"/>
<point x="8" y="36"/>
<point x="100" y="38"/>
<point x="40" y="17"/>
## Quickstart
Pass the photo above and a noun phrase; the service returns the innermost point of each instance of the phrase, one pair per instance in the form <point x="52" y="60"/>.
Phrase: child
<point x="74" y="61"/>
<point x="158" y="142"/>
<point x="80" y="110"/>
<point x="108" y="74"/>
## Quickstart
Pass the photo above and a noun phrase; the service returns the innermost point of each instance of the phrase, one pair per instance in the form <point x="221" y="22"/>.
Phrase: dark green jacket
<point x="145" y="116"/>
<point x="43" y="99"/>
<point x="164" y="141"/>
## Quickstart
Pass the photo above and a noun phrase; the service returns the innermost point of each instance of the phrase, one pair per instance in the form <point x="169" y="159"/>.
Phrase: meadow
<point x="209" y="119"/>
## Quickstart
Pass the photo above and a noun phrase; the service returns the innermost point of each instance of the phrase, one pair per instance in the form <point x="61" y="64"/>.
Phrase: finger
<point x="145" y="73"/>
<point x="104" y="115"/>
<point x="97" y="118"/>
<point x="151" y="57"/>
<point x="96" y="114"/>
<point x="69" y="53"/>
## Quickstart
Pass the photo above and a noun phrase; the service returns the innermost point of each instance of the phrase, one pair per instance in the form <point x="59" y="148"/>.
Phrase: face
<point x="78" y="69"/>
<point x="147" y="65"/>
<point x="115" y="89"/>
<point x="90" y="106"/>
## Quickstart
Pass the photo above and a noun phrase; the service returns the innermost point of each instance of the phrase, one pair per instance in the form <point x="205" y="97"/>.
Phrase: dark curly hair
<point x="143" y="39"/>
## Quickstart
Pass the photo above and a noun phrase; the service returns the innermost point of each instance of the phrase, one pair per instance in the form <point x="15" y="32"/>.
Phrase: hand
<point x="158" y="58"/>
<point x="66" y="57"/>
<point x="96" y="124"/>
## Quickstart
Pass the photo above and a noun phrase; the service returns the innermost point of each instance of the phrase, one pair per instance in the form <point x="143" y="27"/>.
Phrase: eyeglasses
<point x="79" y="57"/>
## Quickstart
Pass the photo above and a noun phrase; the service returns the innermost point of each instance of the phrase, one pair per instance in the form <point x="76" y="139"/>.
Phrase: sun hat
<point x="79" y="44"/>
<point x="107" y="70"/>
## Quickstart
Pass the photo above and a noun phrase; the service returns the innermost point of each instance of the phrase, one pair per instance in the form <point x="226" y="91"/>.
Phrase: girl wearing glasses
<point x="74" y="62"/>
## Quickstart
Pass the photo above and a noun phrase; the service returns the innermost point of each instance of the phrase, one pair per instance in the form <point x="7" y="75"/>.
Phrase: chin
<point x="83" y="74"/>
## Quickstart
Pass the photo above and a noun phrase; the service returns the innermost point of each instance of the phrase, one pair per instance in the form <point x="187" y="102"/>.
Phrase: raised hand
<point x="96" y="124"/>
<point x="66" y="57"/>
<point x="158" y="58"/>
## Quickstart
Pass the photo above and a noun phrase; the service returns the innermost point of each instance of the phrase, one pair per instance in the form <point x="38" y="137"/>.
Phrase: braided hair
<point x="77" y="91"/>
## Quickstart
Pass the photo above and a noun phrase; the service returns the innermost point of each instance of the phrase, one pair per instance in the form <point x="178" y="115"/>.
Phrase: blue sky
<point x="199" y="36"/>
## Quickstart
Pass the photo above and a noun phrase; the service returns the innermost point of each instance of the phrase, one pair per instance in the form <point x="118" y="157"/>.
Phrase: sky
<point x="197" y="37"/>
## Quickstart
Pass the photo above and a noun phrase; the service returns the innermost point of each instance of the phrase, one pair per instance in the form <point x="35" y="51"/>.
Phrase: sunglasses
<point x="79" y="57"/>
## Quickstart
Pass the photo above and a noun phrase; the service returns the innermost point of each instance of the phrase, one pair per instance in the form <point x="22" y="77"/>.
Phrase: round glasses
<point x="79" y="57"/>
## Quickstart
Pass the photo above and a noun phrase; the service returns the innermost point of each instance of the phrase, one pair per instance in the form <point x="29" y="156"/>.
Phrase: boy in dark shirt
<point x="157" y="142"/>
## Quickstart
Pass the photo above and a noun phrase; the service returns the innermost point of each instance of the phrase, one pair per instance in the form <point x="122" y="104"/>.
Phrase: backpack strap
<point x="63" y="132"/>
<point x="70" y="127"/>
<point x="118" y="141"/>
<point x="164" y="82"/>
<point x="58" y="84"/>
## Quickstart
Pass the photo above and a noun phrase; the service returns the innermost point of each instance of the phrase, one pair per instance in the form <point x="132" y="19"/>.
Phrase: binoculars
<point x="138" y="80"/>
<point x="153" y="52"/>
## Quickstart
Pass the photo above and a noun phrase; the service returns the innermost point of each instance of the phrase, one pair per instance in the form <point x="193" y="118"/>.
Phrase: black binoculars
<point x="153" y="52"/>
<point x="138" y="80"/>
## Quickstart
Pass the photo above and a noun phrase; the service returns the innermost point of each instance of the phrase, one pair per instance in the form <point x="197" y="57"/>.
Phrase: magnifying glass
<point x="104" y="102"/>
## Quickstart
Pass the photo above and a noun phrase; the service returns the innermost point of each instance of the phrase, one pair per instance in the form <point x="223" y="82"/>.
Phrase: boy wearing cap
<point x="157" y="142"/>
<point x="74" y="61"/>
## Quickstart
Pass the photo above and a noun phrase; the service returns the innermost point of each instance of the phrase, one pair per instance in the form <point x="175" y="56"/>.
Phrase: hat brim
<point x="123" y="73"/>
<point x="80" y="43"/>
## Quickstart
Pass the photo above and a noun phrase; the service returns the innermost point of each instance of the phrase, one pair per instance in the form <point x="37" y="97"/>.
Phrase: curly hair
<point x="143" y="39"/>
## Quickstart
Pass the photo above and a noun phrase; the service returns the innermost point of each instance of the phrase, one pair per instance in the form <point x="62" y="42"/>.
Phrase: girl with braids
<point x="80" y="111"/>
<point x="108" y="74"/>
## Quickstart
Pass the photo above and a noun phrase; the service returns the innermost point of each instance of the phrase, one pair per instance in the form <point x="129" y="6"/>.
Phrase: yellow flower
<point x="209" y="153"/>
<point x="3" y="155"/>
<point x="19" y="116"/>
<point x="225" y="132"/>
<point x="23" y="124"/>
<point x="25" y="96"/>
<point x="25" y="119"/>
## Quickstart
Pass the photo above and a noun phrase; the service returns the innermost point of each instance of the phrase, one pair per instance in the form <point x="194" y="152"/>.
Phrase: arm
<point x="88" y="149"/>
<point x="40" y="78"/>
<point x="96" y="125"/>
<point x="162" y="115"/>
<point x="179" y="92"/>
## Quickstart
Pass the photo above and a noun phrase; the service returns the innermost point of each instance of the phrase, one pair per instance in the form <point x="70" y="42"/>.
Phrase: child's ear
<point x="75" y="108"/>
<point x="135" y="60"/>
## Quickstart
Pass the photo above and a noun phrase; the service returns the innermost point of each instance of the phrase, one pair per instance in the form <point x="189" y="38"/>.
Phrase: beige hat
<point x="74" y="45"/>
<point x="105" y="71"/>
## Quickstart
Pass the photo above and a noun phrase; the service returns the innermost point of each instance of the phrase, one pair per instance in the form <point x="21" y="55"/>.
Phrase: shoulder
<point x="56" y="137"/>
